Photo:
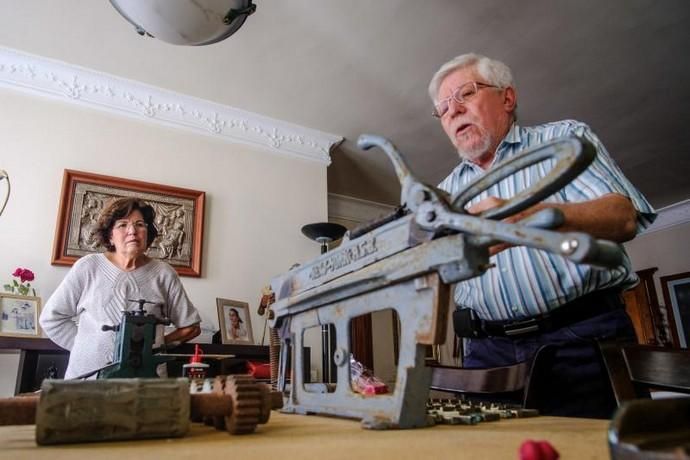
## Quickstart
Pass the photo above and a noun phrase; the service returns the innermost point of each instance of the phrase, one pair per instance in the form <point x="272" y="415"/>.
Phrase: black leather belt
<point x="467" y="324"/>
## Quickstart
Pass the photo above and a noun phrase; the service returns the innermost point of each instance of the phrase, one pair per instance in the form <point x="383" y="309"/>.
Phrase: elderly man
<point x="572" y="305"/>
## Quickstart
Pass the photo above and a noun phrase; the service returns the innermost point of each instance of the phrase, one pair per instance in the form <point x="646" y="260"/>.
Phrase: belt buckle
<point x="516" y="328"/>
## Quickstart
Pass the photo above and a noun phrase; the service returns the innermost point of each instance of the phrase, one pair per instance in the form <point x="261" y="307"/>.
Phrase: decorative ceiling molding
<point x="670" y="216"/>
<point x="74" y="84"/>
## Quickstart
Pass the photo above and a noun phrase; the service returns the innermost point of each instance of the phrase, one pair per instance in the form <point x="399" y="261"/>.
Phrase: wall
<point x="667" y="249"/>
<point x="256" y="201"/>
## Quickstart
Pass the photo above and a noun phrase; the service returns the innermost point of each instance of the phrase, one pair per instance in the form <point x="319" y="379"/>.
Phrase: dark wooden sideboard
<point x="40" y="358"/>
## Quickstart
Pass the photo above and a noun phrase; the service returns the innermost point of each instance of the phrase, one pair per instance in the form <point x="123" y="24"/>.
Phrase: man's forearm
<point x="611" y="217"/>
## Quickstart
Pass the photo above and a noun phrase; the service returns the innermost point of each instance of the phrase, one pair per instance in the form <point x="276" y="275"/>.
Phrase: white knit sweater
<point x="94" y="294"/>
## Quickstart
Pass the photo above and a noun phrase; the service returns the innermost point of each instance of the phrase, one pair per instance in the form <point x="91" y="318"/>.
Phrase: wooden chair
<point x="510" y="384"/>
<point x="500" y="383"/>
<point x="635" y="369"/>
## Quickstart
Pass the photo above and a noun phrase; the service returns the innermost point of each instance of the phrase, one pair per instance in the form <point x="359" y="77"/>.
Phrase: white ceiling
<point x="362" y="66"/>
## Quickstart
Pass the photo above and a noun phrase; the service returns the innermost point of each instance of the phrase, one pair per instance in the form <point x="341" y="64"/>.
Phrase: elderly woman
<point x="97" y="289"/>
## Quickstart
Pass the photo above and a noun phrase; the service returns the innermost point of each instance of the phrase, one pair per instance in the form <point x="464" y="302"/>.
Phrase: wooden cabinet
<point x="40" y="358"/>
<point x="642" y="305"/>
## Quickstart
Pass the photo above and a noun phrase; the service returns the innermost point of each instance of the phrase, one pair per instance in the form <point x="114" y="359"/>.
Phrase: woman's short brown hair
<point x="119" y="209"/>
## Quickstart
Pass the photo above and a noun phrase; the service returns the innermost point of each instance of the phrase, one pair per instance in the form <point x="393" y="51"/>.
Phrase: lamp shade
<point x="323" y="231"/>
<point x="186" y="22"/>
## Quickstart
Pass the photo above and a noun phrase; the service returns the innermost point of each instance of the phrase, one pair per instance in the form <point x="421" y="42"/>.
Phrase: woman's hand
<point x="183" y="334"/>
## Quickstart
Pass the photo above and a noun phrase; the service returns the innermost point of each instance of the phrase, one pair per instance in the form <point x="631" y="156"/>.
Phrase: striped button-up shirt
<point x="526" y="282"/>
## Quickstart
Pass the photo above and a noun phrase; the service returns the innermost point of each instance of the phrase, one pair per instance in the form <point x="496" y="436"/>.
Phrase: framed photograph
<point x="235" y="322"/>
<point x="676" y="290"/>
<point x="179" y="219"/>
<point x="19" y="316"/>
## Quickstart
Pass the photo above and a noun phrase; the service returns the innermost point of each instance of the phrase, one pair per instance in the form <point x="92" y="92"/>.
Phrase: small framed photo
<point x="235" y="322"/>
<point x="19" y="316"/>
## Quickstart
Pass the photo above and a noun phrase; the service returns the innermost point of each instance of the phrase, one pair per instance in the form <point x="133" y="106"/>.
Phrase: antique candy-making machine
<point x="408" y="262"/>
<point x="134" y="345"/>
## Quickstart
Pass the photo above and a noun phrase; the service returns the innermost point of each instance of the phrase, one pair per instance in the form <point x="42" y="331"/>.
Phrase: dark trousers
<point x="574" y="382"/>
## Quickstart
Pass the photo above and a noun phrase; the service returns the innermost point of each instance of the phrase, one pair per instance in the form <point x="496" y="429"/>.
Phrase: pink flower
<point x="24" y="274"/>
<point x="28" y="275"/>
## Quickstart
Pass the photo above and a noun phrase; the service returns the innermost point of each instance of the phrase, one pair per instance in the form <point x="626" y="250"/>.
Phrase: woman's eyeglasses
<point x="123" y="225"/>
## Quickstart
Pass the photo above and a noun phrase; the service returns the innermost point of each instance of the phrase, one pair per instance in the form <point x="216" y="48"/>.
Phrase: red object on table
<point x="197" y="354"/>
<point x="259" y="370"/>
<point x="195" y="369"/>
<point x="537" y="450"/>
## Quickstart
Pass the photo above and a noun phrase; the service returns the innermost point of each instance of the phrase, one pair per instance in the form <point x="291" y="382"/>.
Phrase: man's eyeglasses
<point x="461" y="95"/>
<point x="123" y="225"/>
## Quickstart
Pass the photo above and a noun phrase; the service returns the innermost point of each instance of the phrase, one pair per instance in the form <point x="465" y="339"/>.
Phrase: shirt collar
<point x="512" y="137"/>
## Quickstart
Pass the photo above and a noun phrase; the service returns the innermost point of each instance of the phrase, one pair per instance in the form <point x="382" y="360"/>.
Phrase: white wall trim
<point x="355" y="209"/>
<point x="56" y="79"/>
<point x="359" y="210"/>
<point x="670" y="216"/>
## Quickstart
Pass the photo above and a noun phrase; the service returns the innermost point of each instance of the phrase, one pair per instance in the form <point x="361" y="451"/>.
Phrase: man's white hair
<point x="492" y="71"/>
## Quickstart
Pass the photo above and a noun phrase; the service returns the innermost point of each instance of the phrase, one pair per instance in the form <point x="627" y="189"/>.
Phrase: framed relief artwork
<point x="179" y="219"/>
<point x="235" y="322"/>
<point x="19" y="316"/>
<point x="676" y="290"/>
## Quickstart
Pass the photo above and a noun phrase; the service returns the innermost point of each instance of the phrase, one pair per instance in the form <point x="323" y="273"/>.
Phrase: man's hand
<point x="611" y="217"/>
<point x="489" y="203"/>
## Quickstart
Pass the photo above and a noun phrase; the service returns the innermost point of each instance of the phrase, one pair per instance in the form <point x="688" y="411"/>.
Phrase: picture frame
<point x="19" y="316"/>
<point x="676" y="292"/>
<point x="241" y="332"/>
<point x="179" y="219"/>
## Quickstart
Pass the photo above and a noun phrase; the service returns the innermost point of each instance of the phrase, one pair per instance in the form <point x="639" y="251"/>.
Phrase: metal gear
<point x="247" y="404"/>
<point x="251" y="405"/>
<point x="217" y="421"/>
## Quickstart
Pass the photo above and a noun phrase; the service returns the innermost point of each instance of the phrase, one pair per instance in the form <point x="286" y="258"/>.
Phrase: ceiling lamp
<point x="186" y="22"/>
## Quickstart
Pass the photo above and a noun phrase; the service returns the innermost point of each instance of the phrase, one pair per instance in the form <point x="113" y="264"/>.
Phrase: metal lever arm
<point x="367" y="141"/>
<point x="573" y="156"/>
<point x="578" y="247"/>
<point x="413" y="191"/>
<point x="546" y="218"/>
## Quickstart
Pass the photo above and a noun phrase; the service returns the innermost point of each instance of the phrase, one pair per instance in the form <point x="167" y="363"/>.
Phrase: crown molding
<point x="70" y="83"/>
<point x="670" y="216"/>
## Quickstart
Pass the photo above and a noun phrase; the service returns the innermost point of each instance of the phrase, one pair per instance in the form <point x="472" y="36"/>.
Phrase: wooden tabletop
<point x="311" y="437"/>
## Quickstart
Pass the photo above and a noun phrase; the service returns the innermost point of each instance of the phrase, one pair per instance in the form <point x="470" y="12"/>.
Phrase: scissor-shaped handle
<point x="572" y="154"/>
<point x="435" y="211"/>
<point x="577" y="246"/>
